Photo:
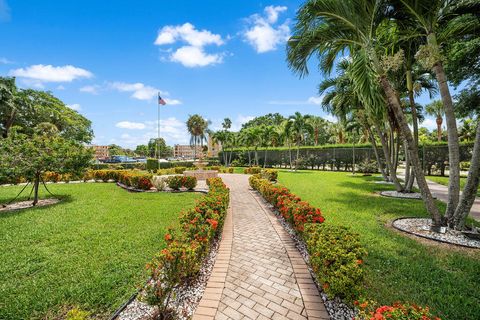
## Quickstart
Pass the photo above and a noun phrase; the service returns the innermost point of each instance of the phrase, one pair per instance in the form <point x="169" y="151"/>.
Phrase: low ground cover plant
<point x="187" y="246"/>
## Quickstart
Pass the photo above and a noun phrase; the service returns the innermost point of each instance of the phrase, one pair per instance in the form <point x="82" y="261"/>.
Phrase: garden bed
<point x="28" y="204"/>
<point x="420" y="227"/>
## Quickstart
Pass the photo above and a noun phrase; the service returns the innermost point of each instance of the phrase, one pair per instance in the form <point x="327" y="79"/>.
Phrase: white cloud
<point x="93" y="89"/>
<point x="4" y="60"/>
<point x="49" y="73"/>
<point x="273" y="11"/>
<point x="187" y="33"/>
<point x="309" y="101"/>
<point x="60" y="87"/>
<point x="192" y="54"/>
<point x="236" y="123"/>
<point x="191" y="57"/>
<point x="262" y="34"/>
<point x="74" y="106"/>
<point x="172" y="102"/>
<point x="139" y="90"/>
<point x="130" y="125"/>
<point x="4" y="11"/>
<point x="330" y="118"/>
<point x="430" y="124"/>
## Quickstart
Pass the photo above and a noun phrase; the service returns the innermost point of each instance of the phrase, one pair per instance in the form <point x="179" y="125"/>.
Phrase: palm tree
<point x="220" y="137"/>
<point x="197" y="126"/>
<point x="248" y="137"/>
<point x="317" y="125"/>
<point x="299" y="127"/>
<point x="269" y="138"/>
<point x="325" y="28"/>
<point x="437" y="21"/>
<point x="435" y="109"/>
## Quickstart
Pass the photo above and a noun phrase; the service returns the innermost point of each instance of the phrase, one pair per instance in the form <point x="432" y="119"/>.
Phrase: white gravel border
<point x="403" y="195"/>
<point x="421" y="227"/>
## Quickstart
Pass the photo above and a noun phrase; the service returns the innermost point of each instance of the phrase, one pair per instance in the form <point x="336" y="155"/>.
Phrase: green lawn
<point x="90" y="250"/>
<point x="444" y="181"/>
<point x="398" y="268"/>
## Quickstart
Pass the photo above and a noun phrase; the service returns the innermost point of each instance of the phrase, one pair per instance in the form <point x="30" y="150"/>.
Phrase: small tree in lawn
<point x="45" y="150"/>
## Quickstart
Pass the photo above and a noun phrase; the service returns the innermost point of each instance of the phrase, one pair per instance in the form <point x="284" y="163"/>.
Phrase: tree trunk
<point x="386" y="152"/>
<point x="452" y="133"/>
<point x="298" y="155"/>
<point x="290" y="154"/>
<point x="394" y="104"/>
<point x="407" y="168"/>
<point x="375" y="150"/>
<point x="316" y="136"/>
<point x="265" y="159"/>
<point x="439" y="129"/>
<point x="353" y="166"/>
<point x="35" y="188"/>
<point x="249" y="158"/>
<point x="470" y="191"/>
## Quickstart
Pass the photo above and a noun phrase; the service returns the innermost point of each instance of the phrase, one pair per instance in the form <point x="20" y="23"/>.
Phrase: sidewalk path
<point x="441" y="192"/>
<point x="262" y="275"/>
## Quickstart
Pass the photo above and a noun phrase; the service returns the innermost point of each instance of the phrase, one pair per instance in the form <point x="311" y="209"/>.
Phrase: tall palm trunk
<point x="439" y="121"/>
<point x="388" y="161"/>
<point x="298" y="155"/>
<point x="452" y="133"/>
<point x="394" y="104"/>
<point x="471" y="186"/>
<point x="377" y="156"/>
<point x="265" y="159"/>
<point x="411" y="98"/>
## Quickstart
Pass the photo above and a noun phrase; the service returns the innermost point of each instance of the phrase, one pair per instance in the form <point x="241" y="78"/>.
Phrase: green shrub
<point x="252" y="170"/>
<point x="269" y="174"/>
<point x="179" y="170"/>
<point x="174" y="182"/>
<point x="189" y="182"/>
<point x="367" y="167"/>
<point x="336" y="257"/>
<point x="152" y="164"/>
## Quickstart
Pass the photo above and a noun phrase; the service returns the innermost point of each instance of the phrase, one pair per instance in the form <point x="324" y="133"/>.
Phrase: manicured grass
<point x="444" y="181"/>
<point x="398" y="268"/>
<point x="90" y="250"/>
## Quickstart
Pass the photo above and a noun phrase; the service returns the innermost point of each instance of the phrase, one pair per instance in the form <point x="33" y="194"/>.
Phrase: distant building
<point x="101" y="152"/>
<point x="186" y="151"/>
<point x="213" y="148"/>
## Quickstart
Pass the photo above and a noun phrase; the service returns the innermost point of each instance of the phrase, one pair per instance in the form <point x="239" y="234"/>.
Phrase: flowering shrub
<point x="295" y="211"/>
<point x="336" y="257"/>
<point x="135" y="179"/>
<point x="179" y="170"/>
<point x="269" y="174"/>
<point x="50" y="176"/>
<point x="177" y="182"/>
<point x="252" y="170"/>
<point x="187" y="246"/>
<point x="397" y="311"/>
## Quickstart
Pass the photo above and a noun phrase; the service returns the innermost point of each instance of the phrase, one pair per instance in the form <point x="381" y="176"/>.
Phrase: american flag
<point x="161" y="101"/>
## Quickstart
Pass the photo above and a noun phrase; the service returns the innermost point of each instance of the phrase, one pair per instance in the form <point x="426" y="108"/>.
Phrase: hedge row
<point x="335" y="252"/>
<point x="130" y="178"/>
<point x="153" y="164"/>
<point x="269" y="174"/>
<point x="187" y="246"/>
<point x="177" y="182"/>
<point x="119" y="166"/>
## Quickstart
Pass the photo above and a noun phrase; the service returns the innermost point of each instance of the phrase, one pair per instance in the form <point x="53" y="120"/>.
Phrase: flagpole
<point x="158" y="127"/>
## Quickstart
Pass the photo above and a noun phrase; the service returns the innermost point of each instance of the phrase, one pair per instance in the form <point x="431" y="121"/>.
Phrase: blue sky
<point x="108" y="59"/>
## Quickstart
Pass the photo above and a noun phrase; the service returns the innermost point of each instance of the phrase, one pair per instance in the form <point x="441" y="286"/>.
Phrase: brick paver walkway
<point x="258" y="274"/>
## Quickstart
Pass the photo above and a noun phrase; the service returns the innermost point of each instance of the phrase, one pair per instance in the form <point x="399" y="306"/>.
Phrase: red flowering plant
<point x="371" y="310"/>
<point x="187" y="246"/>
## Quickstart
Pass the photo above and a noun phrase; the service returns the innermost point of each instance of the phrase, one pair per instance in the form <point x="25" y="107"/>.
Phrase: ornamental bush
<point x="336" y="257"/>
<point x="187" y="246"/>
<point x="177" y="182"/>
<point x="252" y="170"/>
<point x="296" y="212"/>
<point x="270" y="174"/>
<point x="397" y="311"/>
<point x="189" y="182"/>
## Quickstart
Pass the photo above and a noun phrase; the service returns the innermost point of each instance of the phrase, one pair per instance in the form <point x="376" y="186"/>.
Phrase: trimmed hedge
<point x="177" y="182"/>
<point x="187" y="246"/>
<point x="130" y="178"/>
<point x="119" y="166"/>
<point x="336" y="255"/>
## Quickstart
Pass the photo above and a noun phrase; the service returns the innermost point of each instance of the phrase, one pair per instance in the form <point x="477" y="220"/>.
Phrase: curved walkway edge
<point x="258" y="273"/>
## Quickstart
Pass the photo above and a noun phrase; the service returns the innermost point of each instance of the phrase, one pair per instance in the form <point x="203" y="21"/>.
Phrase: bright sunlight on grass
<point x="399" y="268"/>
<point x="444" y="181"/>
<point x="90" y="250"/>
